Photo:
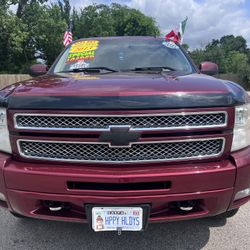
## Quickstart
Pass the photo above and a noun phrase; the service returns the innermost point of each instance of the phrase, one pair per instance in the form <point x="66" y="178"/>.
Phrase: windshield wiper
<point x="92" y="69"/>
<point x="160" y="68"/>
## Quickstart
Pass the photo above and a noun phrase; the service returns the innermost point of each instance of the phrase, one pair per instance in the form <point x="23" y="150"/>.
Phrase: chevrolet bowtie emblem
<point x="119" y="136"/>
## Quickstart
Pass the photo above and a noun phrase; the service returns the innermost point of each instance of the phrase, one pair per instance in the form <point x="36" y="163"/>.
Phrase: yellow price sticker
<point x="83" y="46"/>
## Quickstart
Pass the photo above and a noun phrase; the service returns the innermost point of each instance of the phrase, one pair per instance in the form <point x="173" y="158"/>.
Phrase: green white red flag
<point x="177" y="35"/>
<point x="182" y="28"/>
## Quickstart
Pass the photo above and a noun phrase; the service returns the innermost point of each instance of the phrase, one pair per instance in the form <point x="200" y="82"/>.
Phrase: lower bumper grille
<point x="138" y="152"/>
<point x="137" y="186"/>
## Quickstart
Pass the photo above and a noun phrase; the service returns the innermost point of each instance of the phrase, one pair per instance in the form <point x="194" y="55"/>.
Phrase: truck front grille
<point x="137" y="152"/>
<point x="102" y="122"/>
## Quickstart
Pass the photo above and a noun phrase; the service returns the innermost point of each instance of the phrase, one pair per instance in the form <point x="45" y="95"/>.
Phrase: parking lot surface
<point x="195" y="234"/>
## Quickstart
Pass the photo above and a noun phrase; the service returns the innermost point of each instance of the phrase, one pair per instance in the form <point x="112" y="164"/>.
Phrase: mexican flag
<point x="182" y="28"/>
<point x="177" y="35"/>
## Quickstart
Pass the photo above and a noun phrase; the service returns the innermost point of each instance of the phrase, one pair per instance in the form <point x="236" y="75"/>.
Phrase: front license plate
<point x="117" y="218"/>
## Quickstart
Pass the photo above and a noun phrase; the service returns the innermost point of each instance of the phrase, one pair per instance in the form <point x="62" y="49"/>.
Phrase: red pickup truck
<point x="124" y="131"/>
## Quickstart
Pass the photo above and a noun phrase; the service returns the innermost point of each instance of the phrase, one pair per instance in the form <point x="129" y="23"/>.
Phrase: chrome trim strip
<point x="137" y="161"/>
<point x="127" y="115"/>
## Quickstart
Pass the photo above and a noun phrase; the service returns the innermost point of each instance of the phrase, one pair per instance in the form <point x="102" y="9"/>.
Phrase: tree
<point x="132" y="22"/>
<point x="185" y="46"/>
<point x="114" y="20"/>
<point x="14" y="57"/>
<point x="46" y="35"/>
<point x="232" y="43"/>
<point x="237" y="63"/>
<point x="32" y="35"/>
<point x="198" y="56"/>
<point x="219" y="51"/>
<point x="92" y="21"/>
<point x="65" y="9"/>
<point x="230" y="53"/>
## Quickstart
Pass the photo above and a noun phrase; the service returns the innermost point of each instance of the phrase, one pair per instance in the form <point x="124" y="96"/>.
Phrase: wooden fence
<point x="230" y="77"/>
<point x="9" y="79"/>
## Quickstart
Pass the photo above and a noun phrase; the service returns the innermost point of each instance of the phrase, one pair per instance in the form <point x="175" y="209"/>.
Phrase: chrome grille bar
<point x="138" y="152"/>
<point x="166" y="121"/>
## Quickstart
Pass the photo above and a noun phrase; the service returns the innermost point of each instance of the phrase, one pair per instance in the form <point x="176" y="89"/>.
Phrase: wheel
<point x="18" y="215"/>
<point x="227" y="214"/>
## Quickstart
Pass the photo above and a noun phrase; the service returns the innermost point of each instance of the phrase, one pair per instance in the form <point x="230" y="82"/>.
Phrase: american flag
<point x="68" y="37"/>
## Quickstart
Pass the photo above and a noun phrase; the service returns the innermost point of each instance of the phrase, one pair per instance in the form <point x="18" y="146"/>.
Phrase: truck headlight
<point x="241" y="137"/>
<point x="4" y="132"/>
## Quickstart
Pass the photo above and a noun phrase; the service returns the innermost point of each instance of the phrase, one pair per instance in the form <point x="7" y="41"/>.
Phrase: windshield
<point x="123" y="55"/>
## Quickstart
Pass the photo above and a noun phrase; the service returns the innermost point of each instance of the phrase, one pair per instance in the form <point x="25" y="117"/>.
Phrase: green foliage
<point x="35" y="31"/>
<point x="15" y="56"/>
<point x="65" y="9"/>
<point x="114" y="20"/>
<point x="238" y="63"/>
<point x="131" y="22"/>
<point x="46" y="34"/>
<point x="49" y="35"/>
<point x="230" y="53"/>
<point x="92" y="21"/>
<point x="185" y="46"/>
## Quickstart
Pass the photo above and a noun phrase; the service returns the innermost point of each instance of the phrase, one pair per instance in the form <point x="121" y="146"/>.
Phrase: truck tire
<point x="227" y="214"/>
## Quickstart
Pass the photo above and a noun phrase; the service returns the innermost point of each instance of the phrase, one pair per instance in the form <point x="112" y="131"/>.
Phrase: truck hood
<point x="124" y="91"/>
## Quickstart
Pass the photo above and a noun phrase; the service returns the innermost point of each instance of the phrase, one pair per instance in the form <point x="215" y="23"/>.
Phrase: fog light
<point x="242" y="194"/>
<point x="2" y="197"/>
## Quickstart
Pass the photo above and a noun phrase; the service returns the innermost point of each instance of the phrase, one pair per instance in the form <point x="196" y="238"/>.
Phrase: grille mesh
<point x="95" y="122"/>
<point x="159" y="151"/>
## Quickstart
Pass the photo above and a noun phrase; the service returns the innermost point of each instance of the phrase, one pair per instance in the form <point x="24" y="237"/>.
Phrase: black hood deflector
<point x="125" y="102"/>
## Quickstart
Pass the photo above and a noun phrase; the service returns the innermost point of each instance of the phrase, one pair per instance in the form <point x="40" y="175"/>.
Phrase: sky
<point x="208" y="19"/>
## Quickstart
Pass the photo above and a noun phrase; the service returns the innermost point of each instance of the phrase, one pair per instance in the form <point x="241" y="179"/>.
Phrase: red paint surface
<point x="213" y="183"/>
<point x="119" y="84"/>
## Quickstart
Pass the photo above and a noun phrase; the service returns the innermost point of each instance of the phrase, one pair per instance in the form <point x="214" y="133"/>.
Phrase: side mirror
<point x="38" y="70"/>
<point x="209" y="68"/>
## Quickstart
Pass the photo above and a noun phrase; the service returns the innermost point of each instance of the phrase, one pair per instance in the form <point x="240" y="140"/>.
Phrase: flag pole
<point x="70" y="25"/>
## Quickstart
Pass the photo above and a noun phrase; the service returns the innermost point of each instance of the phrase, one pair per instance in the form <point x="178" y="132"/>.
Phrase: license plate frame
<point x="145" y="208"/>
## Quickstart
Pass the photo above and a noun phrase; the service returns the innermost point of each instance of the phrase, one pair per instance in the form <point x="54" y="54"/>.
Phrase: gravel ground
<point x="26" y="234"/>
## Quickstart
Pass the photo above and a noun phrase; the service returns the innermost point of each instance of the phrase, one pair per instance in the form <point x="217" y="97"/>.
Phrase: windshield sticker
<point x="79" y="56"/>
<point x="79" y="65"/>
<point x="81" y="76"/>
<point x="83" y="46"/>
<point x="84" y="50"/>
<point x="170" y="44"/>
